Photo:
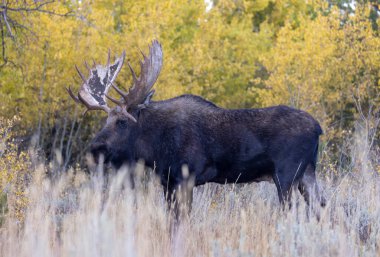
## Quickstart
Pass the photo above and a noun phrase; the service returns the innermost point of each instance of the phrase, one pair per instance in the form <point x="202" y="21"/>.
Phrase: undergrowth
<point x="72" y="213"/>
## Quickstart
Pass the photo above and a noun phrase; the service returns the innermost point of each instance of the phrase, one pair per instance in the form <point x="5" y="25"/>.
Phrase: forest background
<point x="319" y="56"/>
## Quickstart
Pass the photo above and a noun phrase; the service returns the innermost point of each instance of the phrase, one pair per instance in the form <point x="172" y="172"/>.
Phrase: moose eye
<point x="121" y="124"/>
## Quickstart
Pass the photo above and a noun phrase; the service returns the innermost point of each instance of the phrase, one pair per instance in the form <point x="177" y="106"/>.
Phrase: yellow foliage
<point x="323" y="65"/>
<point x="212" y="54"/>
<point x="14" y="168"/>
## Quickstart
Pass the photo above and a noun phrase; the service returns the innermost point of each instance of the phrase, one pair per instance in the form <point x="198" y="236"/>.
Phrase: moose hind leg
<point x="309" y="188"/>
<point x="286" y="178"/>
<point x="284" y="189"/>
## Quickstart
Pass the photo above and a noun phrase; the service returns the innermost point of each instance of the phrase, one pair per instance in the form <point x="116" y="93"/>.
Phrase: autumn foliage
<point x="240" y="54"/>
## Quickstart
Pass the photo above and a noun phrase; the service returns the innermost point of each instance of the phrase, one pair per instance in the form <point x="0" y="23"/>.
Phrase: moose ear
<point x="147" y="100"/>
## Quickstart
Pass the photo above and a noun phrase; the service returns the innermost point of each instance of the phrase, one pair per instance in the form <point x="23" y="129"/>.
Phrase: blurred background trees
<point x="320" y="56"/>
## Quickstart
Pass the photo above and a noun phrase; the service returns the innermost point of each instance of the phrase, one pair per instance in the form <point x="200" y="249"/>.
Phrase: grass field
<point x="81" y="216"/>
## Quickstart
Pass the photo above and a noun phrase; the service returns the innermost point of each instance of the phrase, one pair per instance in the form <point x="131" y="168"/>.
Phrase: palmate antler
<point x="94" y="91"/>
<point x="142" y="85"/>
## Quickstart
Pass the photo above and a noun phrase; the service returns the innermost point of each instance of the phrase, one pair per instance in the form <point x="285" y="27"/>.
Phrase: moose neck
<point x="141" y="137"/>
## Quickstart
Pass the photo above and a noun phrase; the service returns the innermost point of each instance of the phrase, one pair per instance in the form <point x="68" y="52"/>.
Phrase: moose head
<point x="110" y="142"/>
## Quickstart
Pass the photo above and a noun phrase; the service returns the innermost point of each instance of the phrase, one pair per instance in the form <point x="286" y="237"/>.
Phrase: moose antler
<point x="93" y="91"/>
<point x="141" y="91"/>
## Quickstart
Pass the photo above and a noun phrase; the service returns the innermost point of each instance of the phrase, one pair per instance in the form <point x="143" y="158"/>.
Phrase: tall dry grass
<point x="74" y="214"/>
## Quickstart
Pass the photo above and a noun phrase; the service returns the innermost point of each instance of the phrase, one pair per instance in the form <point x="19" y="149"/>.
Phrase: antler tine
<point x="118" y="102"/>
<point x="135" y="79"/>
<point x="76" y="99"/>
<point x="80" y="74"/>
<point x="142" y="53"/>
<point x="93" y="63"/>
<point x="129" y="115"/>
<point x="121" y="92"/>
<point x="87" y="66"/>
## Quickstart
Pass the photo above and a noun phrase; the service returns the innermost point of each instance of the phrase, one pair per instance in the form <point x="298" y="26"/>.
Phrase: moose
<point x="210" y="143"/>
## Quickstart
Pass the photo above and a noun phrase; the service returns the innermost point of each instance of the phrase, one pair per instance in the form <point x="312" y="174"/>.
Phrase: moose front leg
<point x="179" y="197"/>
<point x="179" y="200"/>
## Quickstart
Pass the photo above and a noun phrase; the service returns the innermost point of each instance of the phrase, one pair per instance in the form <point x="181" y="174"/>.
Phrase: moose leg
<point x="284" y="190"/>
<point x="286" y="177"/>
<point x="179" y="203"/>
<point x="309" y="188"/>
<point x="169" y="196"/>
<point x="179" y="198"/>
<point x="184" y="199"/>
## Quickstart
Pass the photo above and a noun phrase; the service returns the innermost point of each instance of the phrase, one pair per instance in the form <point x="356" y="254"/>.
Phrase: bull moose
<point x="218" y="145"/>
